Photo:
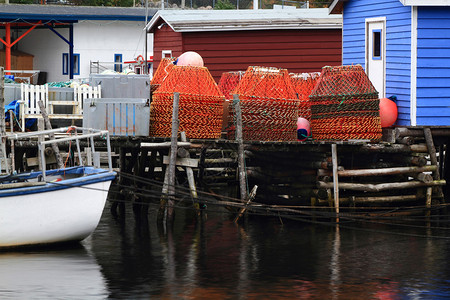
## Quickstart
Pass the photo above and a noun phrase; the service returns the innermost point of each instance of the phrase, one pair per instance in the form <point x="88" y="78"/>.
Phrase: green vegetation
<point x="217" y="4"/>
<point x="19" y="1"/>
<point x="122" y="3"/>
<point x="224" y="4"/>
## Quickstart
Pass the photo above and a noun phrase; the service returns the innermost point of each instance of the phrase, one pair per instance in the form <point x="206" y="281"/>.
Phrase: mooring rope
<point x="307" y="214"/>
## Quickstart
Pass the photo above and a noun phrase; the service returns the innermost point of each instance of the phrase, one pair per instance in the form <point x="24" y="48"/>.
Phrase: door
<point x="375" y="53"/>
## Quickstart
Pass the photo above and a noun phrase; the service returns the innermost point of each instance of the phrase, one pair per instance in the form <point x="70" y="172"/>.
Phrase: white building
<point x="100" y="37"/>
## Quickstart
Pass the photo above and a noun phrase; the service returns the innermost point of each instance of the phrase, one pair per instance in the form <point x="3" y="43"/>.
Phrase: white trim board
<point x="413" y="84"/>
<point x="425" y="2"/>
<point x="333" y="4"/>
<point x="366" y="58"/>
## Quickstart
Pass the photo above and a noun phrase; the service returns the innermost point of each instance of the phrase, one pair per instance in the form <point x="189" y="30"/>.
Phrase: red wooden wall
<point x="296" y="50"/>
<point x="165" y="39"/>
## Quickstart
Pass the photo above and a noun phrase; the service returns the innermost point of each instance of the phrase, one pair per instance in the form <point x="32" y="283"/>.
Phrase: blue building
<point x="404" y="46"/>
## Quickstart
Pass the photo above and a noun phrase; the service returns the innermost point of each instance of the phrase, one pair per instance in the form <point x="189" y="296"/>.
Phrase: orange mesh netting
<point x="228" y="82"/>
<point x="269" y="105"/>
<point x="161" y="73"/>
<point x="345" y="105"/>
<point x="200" y="104"/>
<point x="303" y="84"/>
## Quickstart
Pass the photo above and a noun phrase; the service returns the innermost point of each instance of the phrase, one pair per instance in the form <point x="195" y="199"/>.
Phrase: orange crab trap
<point x="200" y="104"/>
<point x="344" y="105"/>
<point x="268" y="104"/>
<point x="161" y="72"/>
<point x="228" y="83"/>
<point x="303" y="84"/>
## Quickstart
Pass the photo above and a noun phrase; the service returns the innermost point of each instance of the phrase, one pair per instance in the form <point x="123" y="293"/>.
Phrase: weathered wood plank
<point x="182" y="161"/>
<point x="381" y="186"/>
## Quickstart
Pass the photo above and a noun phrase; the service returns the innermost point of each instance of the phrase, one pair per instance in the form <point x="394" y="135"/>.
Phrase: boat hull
<point x="55" y="212"/>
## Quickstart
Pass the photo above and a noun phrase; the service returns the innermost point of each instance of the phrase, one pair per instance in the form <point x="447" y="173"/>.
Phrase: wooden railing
<point x="31" y="94"/>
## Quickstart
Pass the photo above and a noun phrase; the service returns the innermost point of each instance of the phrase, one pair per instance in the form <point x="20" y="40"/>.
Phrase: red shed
<point x="300" y="40"/>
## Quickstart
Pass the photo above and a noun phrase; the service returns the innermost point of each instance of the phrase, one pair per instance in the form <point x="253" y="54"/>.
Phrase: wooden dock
<point x="406" y="169"/>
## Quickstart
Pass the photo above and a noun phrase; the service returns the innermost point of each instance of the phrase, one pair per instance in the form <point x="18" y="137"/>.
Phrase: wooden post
<point x="41" y="138"/>
<point x="173" y="158"/>
<point x="250" y="199"/>
<point x="2" y="120"/>
<point x="429" y="194"/>
<point x="13" y="151"/>
<point x="335" y="177"/>
<point x="433" y="158"/>
<point x="446" y="173"/>
<point x="51" y="135"/>
<point x="120" y="203"/>
<point x="241" y="158"/>
<point x="190" y="174"/>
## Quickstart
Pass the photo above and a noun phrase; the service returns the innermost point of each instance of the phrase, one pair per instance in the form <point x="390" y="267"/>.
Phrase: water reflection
<point x="335" y="279"/>
<point x="51" y="273"/>
<point x="214" y="258"/>
<point x="265" y="258"/>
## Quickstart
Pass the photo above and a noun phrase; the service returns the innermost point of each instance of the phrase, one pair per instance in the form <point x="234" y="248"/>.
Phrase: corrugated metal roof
<point x="224" y="20"/>
<point x="27" y="12"/>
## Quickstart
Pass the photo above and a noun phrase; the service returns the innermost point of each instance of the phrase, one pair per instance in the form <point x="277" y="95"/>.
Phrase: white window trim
<point x="374" y="20"/>
<point x="165" y="52"/>
<point x="413" y="84"/>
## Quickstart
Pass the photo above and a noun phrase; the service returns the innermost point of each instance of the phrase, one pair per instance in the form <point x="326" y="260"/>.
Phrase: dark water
<point x="262" y="258"/>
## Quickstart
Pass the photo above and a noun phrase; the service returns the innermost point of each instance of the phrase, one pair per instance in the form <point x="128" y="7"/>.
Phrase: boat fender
<point x="303" y="129"/>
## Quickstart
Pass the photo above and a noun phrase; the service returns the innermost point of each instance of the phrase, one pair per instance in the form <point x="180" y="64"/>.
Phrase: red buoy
<point x="303" y="129"/>
<point x="388" y="112"/>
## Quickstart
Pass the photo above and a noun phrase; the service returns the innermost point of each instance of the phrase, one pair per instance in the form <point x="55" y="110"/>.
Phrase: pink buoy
<point x="303" y="129"/>
<point x="190" y="58"/>
<point x="388" y="112"/>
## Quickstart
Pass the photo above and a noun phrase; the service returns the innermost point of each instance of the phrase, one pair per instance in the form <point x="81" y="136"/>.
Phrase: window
<point x="118" y="62"/>
<point x="166" y="54"/>
<point x="376" y="54"/>
<point x="76" y="64"/>
<point x="65" y="64"/>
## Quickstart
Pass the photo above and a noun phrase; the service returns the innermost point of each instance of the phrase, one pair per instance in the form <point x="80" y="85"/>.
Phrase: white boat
<point x="53" y="206"/>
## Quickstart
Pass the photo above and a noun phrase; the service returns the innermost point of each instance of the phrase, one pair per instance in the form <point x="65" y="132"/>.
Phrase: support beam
<point x="335" y="177"/>
<point x="59" y="35"/>
<point x="172" y="159"/>
<point x="433" y="157"/>
<point x="8" y="44"/>
<point x="241" y="157"/>
<point x="380" y="186"/>
<point x="71" y="51"/>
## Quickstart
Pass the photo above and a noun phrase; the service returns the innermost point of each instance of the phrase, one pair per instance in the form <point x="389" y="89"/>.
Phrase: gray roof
<point x="336" y="6"/>
<point x="246" y="19"/>
<point x="27" y="12"/>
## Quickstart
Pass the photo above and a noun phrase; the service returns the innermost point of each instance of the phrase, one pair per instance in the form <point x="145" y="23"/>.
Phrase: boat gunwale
<point x="94" y="175"/>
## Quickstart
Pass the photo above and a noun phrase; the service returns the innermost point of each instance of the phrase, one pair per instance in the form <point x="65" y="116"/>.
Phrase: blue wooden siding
<point x="433" y="66"/>
<point x="398" y="45"/>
